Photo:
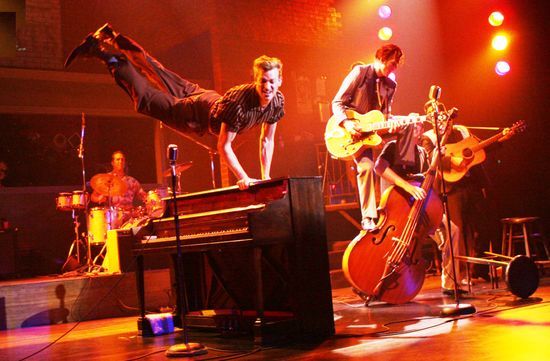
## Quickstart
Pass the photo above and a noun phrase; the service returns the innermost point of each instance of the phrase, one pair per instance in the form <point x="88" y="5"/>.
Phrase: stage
<point x="503" y="328"/>
<point x="98" y="99"/>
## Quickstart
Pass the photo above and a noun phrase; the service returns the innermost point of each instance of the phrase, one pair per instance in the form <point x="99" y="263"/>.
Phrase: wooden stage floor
<point x="503" y="328"/>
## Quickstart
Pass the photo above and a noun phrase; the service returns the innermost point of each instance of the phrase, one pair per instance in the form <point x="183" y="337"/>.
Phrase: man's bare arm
<point x="225" y="149"/>
<point x="267" y="145"/>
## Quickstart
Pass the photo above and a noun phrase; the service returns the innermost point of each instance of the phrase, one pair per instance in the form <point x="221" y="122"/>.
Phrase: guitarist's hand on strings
<point x="352" y="127"/>
<point x="394" y="128"/>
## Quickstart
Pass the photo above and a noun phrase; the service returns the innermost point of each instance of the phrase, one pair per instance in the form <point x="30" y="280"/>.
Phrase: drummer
<point x="125" y="199"/>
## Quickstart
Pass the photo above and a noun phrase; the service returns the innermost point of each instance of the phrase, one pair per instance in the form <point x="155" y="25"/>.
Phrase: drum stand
<point x="92" y="267"/>
<point x="101" y="254"/>
<point x="75" y="246"/>
<point x="520" y="272"/>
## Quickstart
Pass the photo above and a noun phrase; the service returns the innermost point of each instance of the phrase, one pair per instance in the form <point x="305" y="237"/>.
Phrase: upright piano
<point x="257" y="254"/>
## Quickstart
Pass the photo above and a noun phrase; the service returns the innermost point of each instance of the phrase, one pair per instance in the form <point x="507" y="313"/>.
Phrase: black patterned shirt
<point x="240" y="109"/>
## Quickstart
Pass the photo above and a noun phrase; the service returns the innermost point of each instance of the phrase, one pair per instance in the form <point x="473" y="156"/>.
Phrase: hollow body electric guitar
<point x="342" y="145"/>
<point x="460" y="157"/>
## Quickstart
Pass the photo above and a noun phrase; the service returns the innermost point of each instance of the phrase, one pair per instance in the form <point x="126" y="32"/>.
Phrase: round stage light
<point x="496" y="18"/>
<point x="502" y="68"/>
<point x="384" y="11"/>
<point x="500" y="42"/>
<point x="385" y="33"/>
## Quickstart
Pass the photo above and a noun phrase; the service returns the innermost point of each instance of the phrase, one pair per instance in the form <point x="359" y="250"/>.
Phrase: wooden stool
<point x="522" y="230"/>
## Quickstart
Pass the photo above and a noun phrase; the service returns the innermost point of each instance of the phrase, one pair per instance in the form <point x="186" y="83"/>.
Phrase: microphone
<point x="172" y="153"/>
<point x="435" y="93"/>
<point x="432" y="105"/>
<point x="81" y="146"/>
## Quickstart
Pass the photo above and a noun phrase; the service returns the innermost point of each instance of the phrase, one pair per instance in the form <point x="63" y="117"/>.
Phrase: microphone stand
<point x="212" y="152"/>
<point x="89" y="262"/>
<point x="75" y="216"/>
<point x="458" y="309"/>
<point x="187" y="348"/>
<point x="81" y="154"/>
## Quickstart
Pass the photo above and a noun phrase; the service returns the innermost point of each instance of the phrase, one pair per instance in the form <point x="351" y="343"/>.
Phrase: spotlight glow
<point x="385" y="33"/>
<point x="500" y="42"/>
<point x="502" y="68"/>
<point x="496" y="18"/>
<point x="384" y="11"/>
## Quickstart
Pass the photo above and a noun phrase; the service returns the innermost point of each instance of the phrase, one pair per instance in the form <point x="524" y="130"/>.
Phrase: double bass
<point x="384" y="263"/>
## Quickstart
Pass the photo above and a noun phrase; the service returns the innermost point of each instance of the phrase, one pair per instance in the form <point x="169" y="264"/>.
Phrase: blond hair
<point x="266" y="63"/>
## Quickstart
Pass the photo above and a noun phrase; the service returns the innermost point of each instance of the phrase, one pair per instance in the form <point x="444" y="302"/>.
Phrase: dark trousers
<point x="159" y="92"/>
<point x="471" y="212"/>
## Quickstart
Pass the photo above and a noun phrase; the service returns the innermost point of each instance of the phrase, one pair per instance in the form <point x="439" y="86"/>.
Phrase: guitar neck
<point x="395" y="121"/>
<point x="487" y="142"/>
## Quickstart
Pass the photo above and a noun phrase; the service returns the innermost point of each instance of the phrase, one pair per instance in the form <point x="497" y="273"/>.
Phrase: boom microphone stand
<point x="77" y="241"/>
<point x="89" y="262"/>
<point x="458" y="309"/>
<point x="186" y="349"/>
<point x="211" y="152"/>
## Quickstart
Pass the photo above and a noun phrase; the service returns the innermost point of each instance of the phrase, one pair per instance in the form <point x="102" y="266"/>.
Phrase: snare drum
<point x="79" y="200"/>
<point x="154" y="204"/>
<point x="63" y="201"/>
<point x="100" y="220"/>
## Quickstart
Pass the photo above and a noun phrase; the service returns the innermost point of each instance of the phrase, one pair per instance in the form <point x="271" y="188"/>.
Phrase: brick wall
<point x="246" y="29"/>
<point x="310" y="22"/>
<point x="39" y="38"/>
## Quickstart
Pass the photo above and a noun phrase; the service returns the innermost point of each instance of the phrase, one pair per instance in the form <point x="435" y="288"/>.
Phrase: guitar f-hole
<point x="376" y="241"/>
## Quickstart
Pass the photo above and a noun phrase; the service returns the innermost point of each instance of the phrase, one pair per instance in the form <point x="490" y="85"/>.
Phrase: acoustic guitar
<point x="460" y="157"/>
<point x="342" y="145"/>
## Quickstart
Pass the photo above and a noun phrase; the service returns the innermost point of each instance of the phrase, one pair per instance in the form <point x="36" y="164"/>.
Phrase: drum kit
<point x="99" y="220"/>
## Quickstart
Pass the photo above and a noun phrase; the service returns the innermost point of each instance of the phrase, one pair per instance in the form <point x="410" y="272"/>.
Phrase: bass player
<point x="389" y="169"/>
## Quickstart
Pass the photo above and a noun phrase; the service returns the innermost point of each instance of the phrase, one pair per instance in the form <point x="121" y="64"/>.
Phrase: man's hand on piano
<point x="246" y="182"/>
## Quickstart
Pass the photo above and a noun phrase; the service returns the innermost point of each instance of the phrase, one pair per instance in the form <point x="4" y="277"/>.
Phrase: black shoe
<point x="105" y="33"/>
<point x="451" y="292"/>
<point x="88" y="47"/>
<point x="122" y="43"/>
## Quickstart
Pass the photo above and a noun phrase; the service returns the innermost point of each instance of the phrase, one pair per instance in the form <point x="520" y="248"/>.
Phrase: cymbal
<point x="179" y="168"/>
<point x="108" y="184"/>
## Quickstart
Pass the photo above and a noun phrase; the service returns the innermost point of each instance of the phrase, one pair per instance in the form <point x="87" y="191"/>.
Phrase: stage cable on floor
<point x="92" y="309"/>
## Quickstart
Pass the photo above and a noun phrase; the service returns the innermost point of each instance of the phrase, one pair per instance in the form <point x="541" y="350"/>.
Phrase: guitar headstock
<point x="444" y="119"/>
<point x="517" y="127"/>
